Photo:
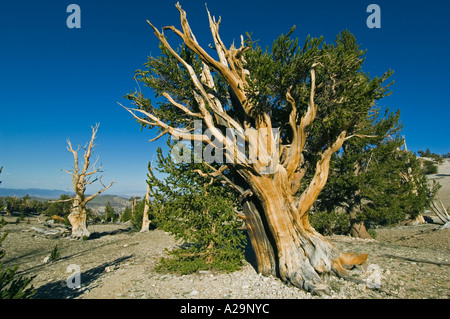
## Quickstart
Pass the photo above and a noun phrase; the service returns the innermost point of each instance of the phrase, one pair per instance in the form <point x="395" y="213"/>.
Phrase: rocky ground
<point x="119" y="263"/>
<point x="409" y="262"/>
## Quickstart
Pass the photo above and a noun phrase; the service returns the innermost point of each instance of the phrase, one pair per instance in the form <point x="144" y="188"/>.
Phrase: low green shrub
<point x="12" y="285"/>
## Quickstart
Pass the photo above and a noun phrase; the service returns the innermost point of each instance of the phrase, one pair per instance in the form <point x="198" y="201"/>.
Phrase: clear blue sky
<point x="56" y="82"/>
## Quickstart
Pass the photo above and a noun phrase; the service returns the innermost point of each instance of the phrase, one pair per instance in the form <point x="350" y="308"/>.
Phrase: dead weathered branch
<point x="61" y="200"/>
<point x="181" y="106"/>
<point x="319" y="180"/>
<point x="441" y="213"/>
<point x="295" y="158"/>
<point x="359" y="135"/>
<point x="179" y="134"/>
<point x="91" y="197"/>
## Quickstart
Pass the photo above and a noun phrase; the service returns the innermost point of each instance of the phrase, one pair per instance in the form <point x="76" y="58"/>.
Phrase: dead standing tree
<point x="81" y="177"/>
<point x="273" y="192"/>
<point x="145" y="216"/>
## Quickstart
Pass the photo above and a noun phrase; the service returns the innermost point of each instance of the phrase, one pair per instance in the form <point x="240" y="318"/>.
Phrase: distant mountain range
<point x="117" y="202"/>
<point x="33" y="192"/>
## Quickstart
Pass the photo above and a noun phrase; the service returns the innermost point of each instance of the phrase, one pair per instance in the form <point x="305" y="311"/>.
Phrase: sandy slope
<point x="443" y="178"/>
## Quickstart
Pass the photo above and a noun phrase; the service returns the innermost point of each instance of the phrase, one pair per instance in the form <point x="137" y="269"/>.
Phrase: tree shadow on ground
<point x="249" y="254"/>
<point x="60" y="290"/>
<point x="97" y="235"/>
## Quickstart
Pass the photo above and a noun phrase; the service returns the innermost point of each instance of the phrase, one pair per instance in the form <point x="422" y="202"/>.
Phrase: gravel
<point x="119" y="264"/>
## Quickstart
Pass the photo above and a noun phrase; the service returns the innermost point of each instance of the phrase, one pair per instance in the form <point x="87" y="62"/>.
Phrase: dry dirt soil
<point x="120" y="263"/>
<point x="117" y="262"/>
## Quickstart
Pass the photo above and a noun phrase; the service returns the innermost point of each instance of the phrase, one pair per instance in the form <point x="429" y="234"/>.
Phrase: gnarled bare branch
<point x="319" y="180"/>
<point x="294" y="158"/>
<point x="91" y="197"/>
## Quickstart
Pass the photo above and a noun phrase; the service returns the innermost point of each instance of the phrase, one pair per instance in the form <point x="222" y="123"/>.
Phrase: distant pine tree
<point x="126" y="216"/>
<point x="110" y="214"/>
<point x="59" y="208"/>
<point x="374" y="180"/>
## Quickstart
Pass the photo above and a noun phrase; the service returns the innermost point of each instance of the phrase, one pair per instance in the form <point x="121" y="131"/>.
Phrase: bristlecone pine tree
<point x="81" y="177"/>
<point x="376" y="179"/>
<point x="315" y="94"/>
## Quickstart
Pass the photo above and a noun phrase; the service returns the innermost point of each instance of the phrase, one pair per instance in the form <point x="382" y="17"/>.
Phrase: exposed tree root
<point x="347" y="260"/>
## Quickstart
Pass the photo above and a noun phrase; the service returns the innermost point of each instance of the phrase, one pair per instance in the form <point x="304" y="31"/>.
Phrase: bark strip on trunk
<point x="145" y="218"/>
<point x="262" y="246"/>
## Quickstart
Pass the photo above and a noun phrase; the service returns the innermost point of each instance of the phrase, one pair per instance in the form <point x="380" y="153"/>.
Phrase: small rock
<point x="194" y="293"/>
<point x="109" y="268"/>
<point x="46" y="259"/>
<point x="204" y="272"/>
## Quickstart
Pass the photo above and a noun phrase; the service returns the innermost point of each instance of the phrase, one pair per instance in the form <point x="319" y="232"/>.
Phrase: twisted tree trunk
<point x="302" y="254"/>
<point x="78" y="219"/>
<point x="81" y="177"/>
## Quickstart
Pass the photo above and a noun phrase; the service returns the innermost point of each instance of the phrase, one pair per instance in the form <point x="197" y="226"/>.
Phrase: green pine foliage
<point x="137" y="215"/>
<point x="26" y="206"/>
<point x="13" y="286"/>
<point x="396" y="187"/>
<point x="61" y="209"/>
<point x="55" y="254"/>
<point x="430" y="167"/>
<point x="200" y="213"/>
<point x="110" y="214"/>
<point x="375" y="178"/>
<point x="126" y="216"/>
<point x="330" y="223"/>
<point x="431" y="161"/>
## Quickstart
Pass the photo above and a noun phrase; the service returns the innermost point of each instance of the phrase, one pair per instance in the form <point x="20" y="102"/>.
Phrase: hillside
<point x="33" y="192"/>
<point x="443" y="178"/>
<point x="117" y="202"/>
<point x="43" y="195"/>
